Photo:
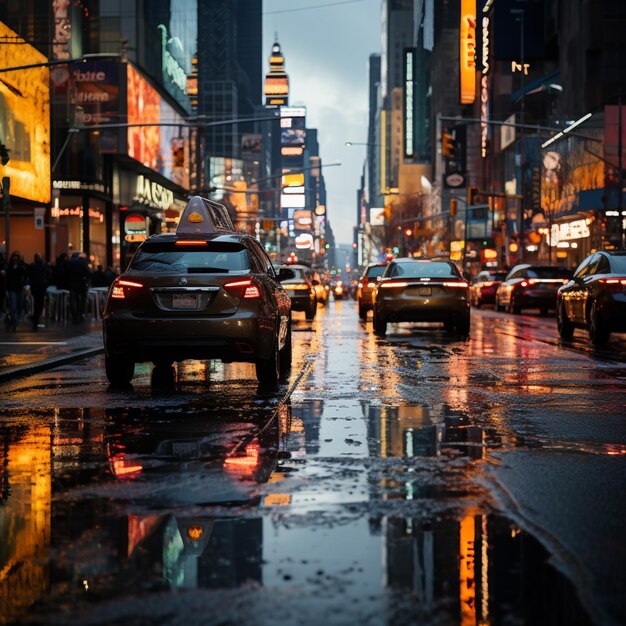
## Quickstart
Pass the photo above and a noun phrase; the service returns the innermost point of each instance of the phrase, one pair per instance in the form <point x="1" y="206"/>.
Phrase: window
<point x="167" y="258"/>
<point x="375" y="271"/>
<point x="583" y="268"/>
<point x="418" y="269"/>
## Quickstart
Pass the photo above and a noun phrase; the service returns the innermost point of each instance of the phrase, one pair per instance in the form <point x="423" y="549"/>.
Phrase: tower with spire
<point x="276" y="88"/>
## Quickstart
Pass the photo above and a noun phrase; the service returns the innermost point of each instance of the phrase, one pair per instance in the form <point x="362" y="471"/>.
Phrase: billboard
<point x="165" y="149"/>
<point x="25" y="119"/>
<point x="96" y="96"/>
<point x="292" y="126"/>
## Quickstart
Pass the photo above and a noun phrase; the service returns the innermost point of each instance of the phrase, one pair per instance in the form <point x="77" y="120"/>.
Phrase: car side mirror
<point x="285" y="273"/>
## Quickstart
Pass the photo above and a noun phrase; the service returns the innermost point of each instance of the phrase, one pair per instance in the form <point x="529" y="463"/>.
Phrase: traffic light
<point x="472" y="192"/>
<point x="408" y="232"/>
<point x="4" y="154"/>
<point x="453" y="206"/>
<point x="447" y="146"/>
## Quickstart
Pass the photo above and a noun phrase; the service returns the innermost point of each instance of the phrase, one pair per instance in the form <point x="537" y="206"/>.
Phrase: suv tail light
<point x="120" y="287"/>
<point x="246" y="289"/>
<point x="461" y="284"/>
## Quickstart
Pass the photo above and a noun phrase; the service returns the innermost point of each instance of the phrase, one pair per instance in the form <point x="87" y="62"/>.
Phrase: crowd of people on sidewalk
<point x="71" y="272"/>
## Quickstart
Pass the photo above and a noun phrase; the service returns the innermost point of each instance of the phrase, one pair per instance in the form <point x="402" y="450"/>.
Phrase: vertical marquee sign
<point x="484" y="81"/>
<point x="467" y="52"/>
<point x="409" y="81"/>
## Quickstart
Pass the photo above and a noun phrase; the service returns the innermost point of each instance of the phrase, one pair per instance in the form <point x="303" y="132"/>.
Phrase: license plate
<point x="185" y="448"/>
<point x="424" y="291"/>
<point x="184" y="301"/>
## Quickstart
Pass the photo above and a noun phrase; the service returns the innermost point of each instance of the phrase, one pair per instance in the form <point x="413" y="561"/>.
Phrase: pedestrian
<point x="16" y="280"/>
<point x="99" y="278"/>
<point x="38" y="281"/>
<point x="60" y="274"/>
<point x="78" y="278"/>
<point x="3" y="284"/>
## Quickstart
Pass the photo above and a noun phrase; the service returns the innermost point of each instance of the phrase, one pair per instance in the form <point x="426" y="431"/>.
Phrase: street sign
<point x="39" y="214"/>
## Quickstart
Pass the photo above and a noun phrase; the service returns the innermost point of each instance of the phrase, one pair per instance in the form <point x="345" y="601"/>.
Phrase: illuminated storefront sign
<point x="293" y="201"/>
<point x="77" y="185"/>
<point x="293" y="180"/>
<point x="467" y="52"/>
<point x="484" y="88"/>
<point x="304" y="241"/>
<point x="56" y="212"/>
<point x="152" y="194"/>
<point x="25" y="119"/>
<point x="579" y="229"/>
<point x="171" y="67"/>
<point x="408" y="103"/>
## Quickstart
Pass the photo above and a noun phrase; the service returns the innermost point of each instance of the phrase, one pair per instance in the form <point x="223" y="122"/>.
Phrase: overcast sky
<point x="326" y="51"/>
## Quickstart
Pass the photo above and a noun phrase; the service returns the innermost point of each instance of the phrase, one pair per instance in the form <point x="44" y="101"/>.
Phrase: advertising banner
<point x="165" y="149"/>
<point x="96" y="96"/>
<point x="25" y="120"/>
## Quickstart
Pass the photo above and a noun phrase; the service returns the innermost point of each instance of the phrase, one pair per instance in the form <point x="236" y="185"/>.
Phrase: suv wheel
<point x="563" y="324"/>
<point x="119" y="370"/>
<point x="286" y="353"/>
<point x="268" y="370"/>
<point x="598" y="333"/>
<point x="311" y="310"/>
<point x="380" y="324"/>
<point x="462" y="326"/>
<point x="362" y="312"/>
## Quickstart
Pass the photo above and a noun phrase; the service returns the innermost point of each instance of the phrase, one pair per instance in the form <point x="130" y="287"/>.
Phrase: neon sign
<point x="467" y="52"/>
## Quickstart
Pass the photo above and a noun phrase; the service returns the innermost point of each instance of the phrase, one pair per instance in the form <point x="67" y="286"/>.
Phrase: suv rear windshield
<point x="169" y="258"/>
<point x="549" y="272"/>
<point x="375" y="271"/>
<point x="420" y="269"/>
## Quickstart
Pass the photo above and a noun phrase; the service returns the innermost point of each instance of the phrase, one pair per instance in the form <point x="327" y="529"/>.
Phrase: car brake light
<point x="190" y="242"/>
<point x="396" y="284"/>
<point x="297" y="286"/>
<point x="524" y="283"/>
<point x="117" y="290"/>
<point x="456" y="284"/>
<point x="247" y="289"/>
<point x="614" y="285"/>
<point x="488" y="283"/>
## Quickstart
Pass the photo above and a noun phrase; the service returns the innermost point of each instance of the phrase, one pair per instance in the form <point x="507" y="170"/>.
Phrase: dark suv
<point x="205" y="292"/>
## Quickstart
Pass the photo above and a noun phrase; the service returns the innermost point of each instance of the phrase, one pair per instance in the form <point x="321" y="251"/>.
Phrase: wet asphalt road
<point x="410" y="479"/>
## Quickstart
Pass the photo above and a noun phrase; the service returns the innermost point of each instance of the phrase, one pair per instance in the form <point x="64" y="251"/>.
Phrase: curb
<point x="48" y="364"/>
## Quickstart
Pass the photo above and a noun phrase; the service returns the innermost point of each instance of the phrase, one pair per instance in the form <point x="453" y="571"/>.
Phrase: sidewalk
<point x="26" y="352"/>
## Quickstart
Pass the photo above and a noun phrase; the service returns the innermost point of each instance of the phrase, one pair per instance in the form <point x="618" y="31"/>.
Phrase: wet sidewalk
<point x="26" y="352"/>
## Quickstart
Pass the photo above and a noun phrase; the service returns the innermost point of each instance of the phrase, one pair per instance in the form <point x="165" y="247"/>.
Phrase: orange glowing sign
<point x="144" y="142"/>
<point x="25" y="119"/>
<point x="467" y="52"/>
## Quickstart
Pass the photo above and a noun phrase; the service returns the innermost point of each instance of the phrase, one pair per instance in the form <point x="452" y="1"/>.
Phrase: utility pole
<point x="6" y="201"/>
<point x="620" y="175"/>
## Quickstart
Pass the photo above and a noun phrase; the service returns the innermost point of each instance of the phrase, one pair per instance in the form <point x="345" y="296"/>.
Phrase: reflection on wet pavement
<point x="364" y="498"/>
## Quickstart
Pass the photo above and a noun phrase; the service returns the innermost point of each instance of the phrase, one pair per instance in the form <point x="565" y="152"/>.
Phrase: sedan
<point x="595" y="298"/>
<point x="483" y="289"/>
<point x="365" y="287"/>
<point x="300" y="289"/>
<point x="412" y="290"/>
<point x="531" y="287"/>
<point x="204" y="292"/>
